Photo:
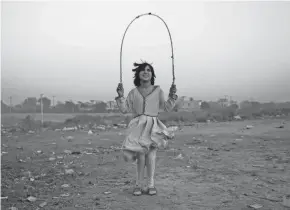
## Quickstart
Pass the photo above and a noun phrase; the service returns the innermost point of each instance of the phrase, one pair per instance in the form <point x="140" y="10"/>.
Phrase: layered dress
<point x="145" y="130"/>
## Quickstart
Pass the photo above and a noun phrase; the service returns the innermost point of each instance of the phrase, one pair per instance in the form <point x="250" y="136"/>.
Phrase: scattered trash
<point x="31" y="132"/>
<point x="65" y="185"/>
<point x="43" y="204"/>
<point x="69" y="171"/>
<point x="69" y="138"/>
<point x="179" y="157"/>
<point x="51" y="159"/>
<point x="70" y="128"/>
<point x="256" y="206"/>
<point x="101" y="127"/>
<point x="88" y="153"/>
<point x="237" y="117"/>
<point x="31" y="199"/>
<point x="122" y="125"/>
<point x="67" y="151"/>
<point x="172" y="128"/>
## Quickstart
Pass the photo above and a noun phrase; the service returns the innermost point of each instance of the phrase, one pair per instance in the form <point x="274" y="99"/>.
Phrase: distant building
<point x="112" y="106"/>
<point x="188" y="103"/>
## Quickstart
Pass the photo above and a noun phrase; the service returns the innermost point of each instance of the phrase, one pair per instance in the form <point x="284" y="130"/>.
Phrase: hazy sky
<point x="72" y="49"/>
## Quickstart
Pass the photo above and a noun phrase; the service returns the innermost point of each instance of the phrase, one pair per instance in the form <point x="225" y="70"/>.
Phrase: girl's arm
<point x="167" y="105"/>
<point x="125" y="104"/>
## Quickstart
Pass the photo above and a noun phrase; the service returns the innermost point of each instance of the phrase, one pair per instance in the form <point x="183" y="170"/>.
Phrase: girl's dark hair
<point x="141" y="67"/>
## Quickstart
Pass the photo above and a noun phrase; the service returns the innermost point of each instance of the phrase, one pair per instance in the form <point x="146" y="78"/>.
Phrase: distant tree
<point x="4" y="107"/>
<point x="29" y="102"/>
<point x="70" y="107"/>
<point x="100" y="107"/>
<point x="29" y="105"/>
<point x="234" y="106"/>
<point x="245" y="104"/>
<point x="46" y="103"/>
<point x="204" y="105"/>
<point x="179" y="104"/>
<point x="213" y="105"/>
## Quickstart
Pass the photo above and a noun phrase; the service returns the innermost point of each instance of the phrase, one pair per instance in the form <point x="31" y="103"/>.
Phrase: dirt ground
<point x="208" y="166"/>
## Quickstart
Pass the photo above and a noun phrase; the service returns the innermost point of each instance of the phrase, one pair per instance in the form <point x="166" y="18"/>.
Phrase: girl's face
<point x="146" y="74"/>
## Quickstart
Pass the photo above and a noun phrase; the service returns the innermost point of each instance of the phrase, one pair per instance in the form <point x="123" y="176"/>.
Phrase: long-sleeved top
<point x="150" y="105"/>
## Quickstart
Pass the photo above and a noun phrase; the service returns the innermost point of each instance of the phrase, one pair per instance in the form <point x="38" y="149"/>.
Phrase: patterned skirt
<point x="145" y="133"/>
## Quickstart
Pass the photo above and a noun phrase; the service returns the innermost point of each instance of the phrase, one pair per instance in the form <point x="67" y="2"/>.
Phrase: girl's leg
<point x="140" y="169"/>
<point x="150" y="164"/>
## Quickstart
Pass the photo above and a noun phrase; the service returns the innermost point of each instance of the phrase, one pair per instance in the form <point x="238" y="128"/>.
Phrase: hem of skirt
<point x="139" y="115"/>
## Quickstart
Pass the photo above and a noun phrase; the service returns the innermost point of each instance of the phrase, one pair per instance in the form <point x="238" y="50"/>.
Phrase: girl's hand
<point x="120" y="90"/>
<point x="172" y="92"/>
<point x="173" y="89"/>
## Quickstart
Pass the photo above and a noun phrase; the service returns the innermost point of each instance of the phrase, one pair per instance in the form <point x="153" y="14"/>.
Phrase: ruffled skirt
<point x="145" y="133"/>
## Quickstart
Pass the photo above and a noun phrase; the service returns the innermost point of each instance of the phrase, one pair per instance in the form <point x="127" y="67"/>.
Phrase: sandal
<point x="152" y="191"/>
<point x="137" y="191"/>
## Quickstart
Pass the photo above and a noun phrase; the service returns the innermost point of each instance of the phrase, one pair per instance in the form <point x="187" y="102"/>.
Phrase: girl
<point x="145" y="133"/>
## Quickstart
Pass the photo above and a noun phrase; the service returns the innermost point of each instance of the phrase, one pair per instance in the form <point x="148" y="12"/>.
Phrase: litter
<point x="31" y="198"/>
<point x="43" y="204"/>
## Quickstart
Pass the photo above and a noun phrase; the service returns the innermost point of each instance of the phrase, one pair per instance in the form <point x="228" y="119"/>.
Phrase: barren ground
<point x="209" y="166"/>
